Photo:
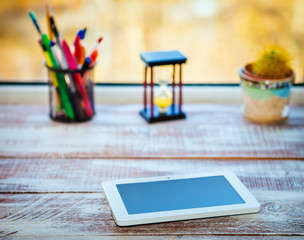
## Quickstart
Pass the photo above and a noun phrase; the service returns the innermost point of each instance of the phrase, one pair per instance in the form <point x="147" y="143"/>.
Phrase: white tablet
<point x="163" y="199"/>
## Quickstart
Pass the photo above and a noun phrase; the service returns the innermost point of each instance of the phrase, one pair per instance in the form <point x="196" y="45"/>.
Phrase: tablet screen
<point x="147" y="197"/>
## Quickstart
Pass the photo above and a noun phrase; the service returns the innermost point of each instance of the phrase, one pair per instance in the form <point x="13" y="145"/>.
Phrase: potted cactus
<point x="266" y="85"/>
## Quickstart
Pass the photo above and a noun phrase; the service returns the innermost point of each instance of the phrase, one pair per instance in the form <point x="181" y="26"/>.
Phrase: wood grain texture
<point x="75" y="214"/>
<point x="211" y="131"/>
<point x="86" y="175"/>
<point x="51" y="173"/>
<point x="172" y="237"/>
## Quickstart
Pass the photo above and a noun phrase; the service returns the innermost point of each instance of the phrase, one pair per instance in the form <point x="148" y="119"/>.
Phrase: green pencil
<point x="63" y="88"/>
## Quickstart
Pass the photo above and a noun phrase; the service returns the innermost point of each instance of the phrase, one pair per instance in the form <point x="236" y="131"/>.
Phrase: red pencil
<point x="77" y="77"/>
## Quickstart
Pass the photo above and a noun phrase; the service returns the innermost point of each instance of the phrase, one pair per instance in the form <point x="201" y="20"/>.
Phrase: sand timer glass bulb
<point x="163" y="97"/>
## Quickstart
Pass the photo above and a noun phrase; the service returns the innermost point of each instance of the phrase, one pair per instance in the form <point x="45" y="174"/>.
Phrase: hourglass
<point x="163" y="96"/>
<point x="162" y="105"/>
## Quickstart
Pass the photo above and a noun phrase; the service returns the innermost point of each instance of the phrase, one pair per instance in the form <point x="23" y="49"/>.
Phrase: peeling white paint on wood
<point x="50" y="174"/>
<point x="216" y="131"/>
<point x="88" y="214"/>
<point x="86" y="175"/>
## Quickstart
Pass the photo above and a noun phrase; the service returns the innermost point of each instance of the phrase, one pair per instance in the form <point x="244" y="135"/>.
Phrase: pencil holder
<point x="71" y="94"/>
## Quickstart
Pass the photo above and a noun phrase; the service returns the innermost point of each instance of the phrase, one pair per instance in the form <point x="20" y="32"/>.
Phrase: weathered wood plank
<point x="74" y="214"/>
<point x="172" y="237"/>
<point x="211" y="131"/>
<point x="86" y="175"/>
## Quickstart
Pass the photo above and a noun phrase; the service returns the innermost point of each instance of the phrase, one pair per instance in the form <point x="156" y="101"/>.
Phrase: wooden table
<point x="51" y="173"/>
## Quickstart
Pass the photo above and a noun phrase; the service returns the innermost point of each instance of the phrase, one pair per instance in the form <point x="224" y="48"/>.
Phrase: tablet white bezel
<point x="122" y="218"/>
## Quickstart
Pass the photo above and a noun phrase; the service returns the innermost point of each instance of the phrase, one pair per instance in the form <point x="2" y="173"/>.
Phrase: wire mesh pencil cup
<point x="71" y="94"/>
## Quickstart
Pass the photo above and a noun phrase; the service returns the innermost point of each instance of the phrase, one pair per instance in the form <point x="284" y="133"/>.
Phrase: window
<point x="217" y="36"/>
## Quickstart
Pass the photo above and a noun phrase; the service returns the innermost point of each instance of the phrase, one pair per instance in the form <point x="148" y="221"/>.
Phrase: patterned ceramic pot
<point x="265" y="100"/>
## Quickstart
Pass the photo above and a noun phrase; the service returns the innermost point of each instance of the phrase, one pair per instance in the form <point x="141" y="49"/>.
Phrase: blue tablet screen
<point x="178" y="194"/>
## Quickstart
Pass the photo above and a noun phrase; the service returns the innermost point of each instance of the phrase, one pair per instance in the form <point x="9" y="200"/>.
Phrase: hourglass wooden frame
<point x="151" y="113"/>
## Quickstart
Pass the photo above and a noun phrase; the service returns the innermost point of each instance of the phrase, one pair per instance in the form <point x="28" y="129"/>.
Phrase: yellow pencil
<point x="53" y="78"/>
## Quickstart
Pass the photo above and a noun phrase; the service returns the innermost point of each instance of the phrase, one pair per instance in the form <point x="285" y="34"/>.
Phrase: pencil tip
<point x="99" y="39"/>
<point x="32" y="14"/>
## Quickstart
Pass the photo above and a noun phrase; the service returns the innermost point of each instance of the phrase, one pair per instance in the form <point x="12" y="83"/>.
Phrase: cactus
<point x="273" y="63"/>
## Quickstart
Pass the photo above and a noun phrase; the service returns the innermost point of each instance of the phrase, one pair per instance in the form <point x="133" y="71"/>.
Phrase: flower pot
<point x="265" y="100"/>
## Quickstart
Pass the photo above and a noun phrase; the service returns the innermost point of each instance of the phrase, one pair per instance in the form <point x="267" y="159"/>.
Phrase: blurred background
<point x="217" y="36"/>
